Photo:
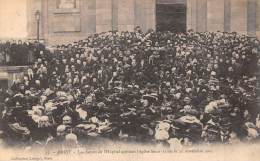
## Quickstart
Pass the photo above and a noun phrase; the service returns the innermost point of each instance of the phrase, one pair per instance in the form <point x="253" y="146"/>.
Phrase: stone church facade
<point x="70" y="20"/>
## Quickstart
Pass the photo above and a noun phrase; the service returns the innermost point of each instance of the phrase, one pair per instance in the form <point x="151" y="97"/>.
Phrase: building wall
<point x="67" y="25"/>
<point x="94" y="16"/>
<point x="239" y="16"/>
<point x="242" y="16"/>
<point x="258" y="18"/>
<point x="90" y="16"/>
<point x="103" y="15"/>
<point x="13" y="19"/>
<point x="215" y="15"/>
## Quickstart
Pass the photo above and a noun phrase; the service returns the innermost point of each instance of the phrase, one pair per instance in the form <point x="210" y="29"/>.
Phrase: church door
<point x="171" y="15"/>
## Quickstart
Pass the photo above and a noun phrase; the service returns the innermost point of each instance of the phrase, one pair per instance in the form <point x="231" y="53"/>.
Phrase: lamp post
<point x="37" y="15"/>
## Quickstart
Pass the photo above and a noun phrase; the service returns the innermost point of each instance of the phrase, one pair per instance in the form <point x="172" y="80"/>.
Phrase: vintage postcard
<point x="129" y="80"/>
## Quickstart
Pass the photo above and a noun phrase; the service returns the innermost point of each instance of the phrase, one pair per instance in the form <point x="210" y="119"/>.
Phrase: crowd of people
<point x="152" y="88"/>
<point x="18" y="53"/>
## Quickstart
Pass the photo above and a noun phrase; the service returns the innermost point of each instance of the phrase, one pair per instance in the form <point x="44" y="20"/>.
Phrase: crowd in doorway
<point x="152" y="88"/>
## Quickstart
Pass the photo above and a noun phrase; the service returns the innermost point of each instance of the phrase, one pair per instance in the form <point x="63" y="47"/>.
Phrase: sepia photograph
<point x="129" y="80"/>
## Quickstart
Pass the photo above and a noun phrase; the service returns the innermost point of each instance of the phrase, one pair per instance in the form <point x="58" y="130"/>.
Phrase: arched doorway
<point x="171" y="15"/>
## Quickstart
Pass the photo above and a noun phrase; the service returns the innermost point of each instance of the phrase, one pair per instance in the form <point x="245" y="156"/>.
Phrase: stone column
<point x="126" y="15"/>
<point x="88" y="16"/>
<point x="115" y="14"/>
<point x="150" y="12"/>
<point x="139" y="14"/>
<point x="215" y="15"/>
<point x="103" y="15"/>
<point x="258" y="19"/>
<point x="189" y="15"/>
<point x="192" y="14"/>
<point x="145" y="14"/>
<point x="239" y="16"/>
<point x="251" y="17"/>
<point x="201" y="17"/>
<point x="227" y="15"/>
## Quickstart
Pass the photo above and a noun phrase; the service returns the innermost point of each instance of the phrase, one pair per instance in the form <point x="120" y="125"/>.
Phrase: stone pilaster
<point x="215" y="15"/>
<point x="227" y="15"/>
<point x="192" y="14"/>
<point x="126" y="15"/>
<point x="145" y="14"/>
<point x="201" y="17"/>
<point x="189" y="15"/>
<point x="258" y="18"/>
<point x="115" y="14"/>
<point x="251" y="17"/>
<point x="103" y="15"/>
<point x="239" y="16"/>
<point x="88" y="16"/>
